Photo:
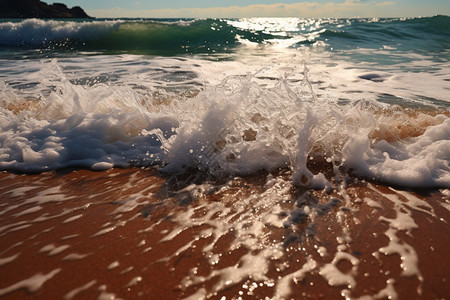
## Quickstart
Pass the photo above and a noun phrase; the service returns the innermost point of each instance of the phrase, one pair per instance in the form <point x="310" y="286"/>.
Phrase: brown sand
<point x="98" y="234"/>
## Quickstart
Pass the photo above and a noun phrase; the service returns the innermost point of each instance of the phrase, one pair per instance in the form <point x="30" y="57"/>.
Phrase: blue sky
<point x="261" y="8"/>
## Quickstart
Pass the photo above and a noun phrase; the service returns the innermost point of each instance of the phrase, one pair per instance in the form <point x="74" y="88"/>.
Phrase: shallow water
<point x="132" y="233"/>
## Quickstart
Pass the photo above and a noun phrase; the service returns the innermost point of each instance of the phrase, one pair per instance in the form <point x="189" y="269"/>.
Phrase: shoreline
<point x="125" y="233"/>
<point x="193" y="110"/>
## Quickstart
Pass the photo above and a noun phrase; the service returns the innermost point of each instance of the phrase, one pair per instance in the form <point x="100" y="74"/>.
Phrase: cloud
<point x="350" y="8"/>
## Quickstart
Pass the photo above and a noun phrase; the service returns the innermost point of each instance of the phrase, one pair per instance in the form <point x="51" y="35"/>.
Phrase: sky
<point x="260" y="8"/>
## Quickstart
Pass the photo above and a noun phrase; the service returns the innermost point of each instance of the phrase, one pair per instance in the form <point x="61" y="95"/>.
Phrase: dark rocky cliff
<point x="38" y="9"/>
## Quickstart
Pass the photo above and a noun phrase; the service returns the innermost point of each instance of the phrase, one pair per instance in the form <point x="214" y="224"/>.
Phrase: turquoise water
<point x="429" y="35"/>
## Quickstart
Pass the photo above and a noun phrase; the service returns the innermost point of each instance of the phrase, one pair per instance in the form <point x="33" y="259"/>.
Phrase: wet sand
<point x="130" y="233"/>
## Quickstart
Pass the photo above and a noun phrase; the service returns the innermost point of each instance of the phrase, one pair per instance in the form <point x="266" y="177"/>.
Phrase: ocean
<point x="230" y="140"/>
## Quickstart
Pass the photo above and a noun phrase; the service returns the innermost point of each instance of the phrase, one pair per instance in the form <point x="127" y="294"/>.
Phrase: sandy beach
<point x="132" y="233"/>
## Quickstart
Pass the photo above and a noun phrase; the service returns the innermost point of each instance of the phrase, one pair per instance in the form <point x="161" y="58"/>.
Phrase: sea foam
<point x="268" y="119"/>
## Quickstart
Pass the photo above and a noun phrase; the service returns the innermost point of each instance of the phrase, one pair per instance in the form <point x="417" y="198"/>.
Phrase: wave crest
<point x="35" y="32"/>
<point x="177" y="36"/>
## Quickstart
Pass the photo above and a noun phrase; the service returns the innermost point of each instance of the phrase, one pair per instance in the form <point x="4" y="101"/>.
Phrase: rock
<point x="38" y="9"/>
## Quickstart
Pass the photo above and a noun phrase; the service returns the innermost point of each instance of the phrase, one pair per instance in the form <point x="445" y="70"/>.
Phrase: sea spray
<point x="238" y="126"/>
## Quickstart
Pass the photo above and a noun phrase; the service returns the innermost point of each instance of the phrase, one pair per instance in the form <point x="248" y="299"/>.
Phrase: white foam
<point x="75" y="256"/>
<point x="14" y="227"/>
<point x="336" y="277"/>
<point x="20" y="191"/>
<point x="136" y="280"/>
<point x="52" y="194"/>
<point x="28" y="211"/>
<point x="70" y="295"/>
<point x="420" y="162"/>
<point x="128" y="110"/>
<point x="7" y="209"/>
<point x="6" y="260"/>
<point x="282" y="289"/>
<point x="105" y="231"/>
<point x="32" y="284"/>
<point x="104" y="295"/>
<point x="70" y="236"/>
<point x="113" y="265"/>
<point x="403" y="221"/>
<point x="388" y="292"/>
<point x="372" y="203"/>
<point x="71" y="219"/>
<point x="54" y="250"/>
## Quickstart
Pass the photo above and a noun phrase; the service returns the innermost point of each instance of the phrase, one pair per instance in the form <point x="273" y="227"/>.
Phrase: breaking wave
<point x="179" y="36"/>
